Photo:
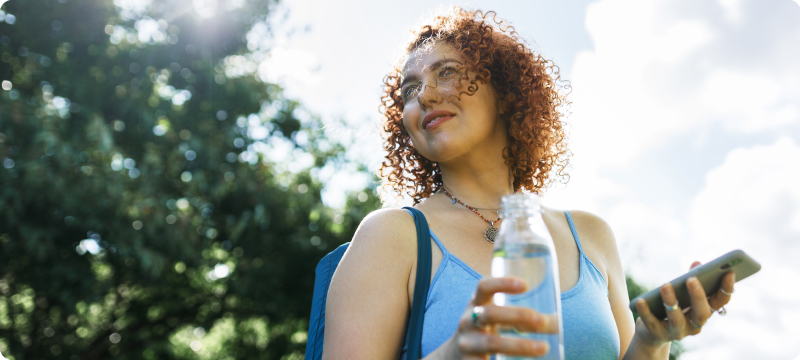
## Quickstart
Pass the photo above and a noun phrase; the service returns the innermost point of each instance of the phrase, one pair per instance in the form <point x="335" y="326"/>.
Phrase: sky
<point x="684" y="125"/>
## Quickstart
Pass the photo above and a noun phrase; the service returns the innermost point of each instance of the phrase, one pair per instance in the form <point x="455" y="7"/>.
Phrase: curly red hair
<point x="527" y="85"/>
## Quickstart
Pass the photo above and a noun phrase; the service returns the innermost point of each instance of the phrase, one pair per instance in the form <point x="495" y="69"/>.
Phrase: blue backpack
<point x="324" y="272"/>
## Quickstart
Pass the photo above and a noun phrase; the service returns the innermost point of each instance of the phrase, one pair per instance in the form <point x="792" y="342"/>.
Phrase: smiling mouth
<point x="437" y="121"/>
<point x="436" y="118"/>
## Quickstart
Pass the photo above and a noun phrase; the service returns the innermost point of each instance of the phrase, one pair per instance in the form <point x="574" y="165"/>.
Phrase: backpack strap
<point x="423" y="281"/>
<point x="322" y="282"/>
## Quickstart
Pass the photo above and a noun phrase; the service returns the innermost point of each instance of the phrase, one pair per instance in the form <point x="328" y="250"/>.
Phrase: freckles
<point x="450" y="94"/>
<point x="449" y="90"/>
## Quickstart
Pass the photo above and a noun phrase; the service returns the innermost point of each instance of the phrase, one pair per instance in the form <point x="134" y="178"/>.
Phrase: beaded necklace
<point x="491" y="232"/>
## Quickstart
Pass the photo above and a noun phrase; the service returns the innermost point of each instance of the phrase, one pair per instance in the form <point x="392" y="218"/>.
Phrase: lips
<point x="436" y="118"/>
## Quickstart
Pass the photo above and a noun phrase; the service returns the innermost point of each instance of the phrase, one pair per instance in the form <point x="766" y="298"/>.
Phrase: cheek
<point x="411" y="116"/>
<point x="411" y="120"/>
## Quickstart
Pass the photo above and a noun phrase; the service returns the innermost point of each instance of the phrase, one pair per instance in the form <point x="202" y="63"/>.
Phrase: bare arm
<point x="367" y="305"/>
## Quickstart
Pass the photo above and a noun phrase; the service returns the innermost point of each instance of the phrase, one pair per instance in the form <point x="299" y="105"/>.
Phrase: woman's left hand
<point x="680" y="322"/>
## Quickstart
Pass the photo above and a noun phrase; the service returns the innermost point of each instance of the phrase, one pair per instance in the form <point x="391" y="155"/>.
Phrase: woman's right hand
<point x="479" y="338"/>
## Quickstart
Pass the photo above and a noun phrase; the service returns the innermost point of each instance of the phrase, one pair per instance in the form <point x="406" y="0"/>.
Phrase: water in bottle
<point x="525" y="249"/>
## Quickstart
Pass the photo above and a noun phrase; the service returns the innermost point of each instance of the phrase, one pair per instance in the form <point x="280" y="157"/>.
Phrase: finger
<point x="476" y="357"/>
<point x="650" y="321"/>
<point x="489" y="286"/>
<point x="695" y="264"/>
<point x="701" y="310"/>
<point x="677" y="321"/>
<point x="654" y="324"/>
<point x="720" y="298"/>
<point x="521" y="319"/>
<point x="477" y="343"/>
<point x="474" y="321"/>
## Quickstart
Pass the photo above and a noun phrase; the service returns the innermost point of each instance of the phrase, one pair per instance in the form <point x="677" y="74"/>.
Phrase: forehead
<point x="425" y="56"/>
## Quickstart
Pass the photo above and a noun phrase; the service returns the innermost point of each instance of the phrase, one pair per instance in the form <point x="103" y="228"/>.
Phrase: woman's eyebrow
<point x="435" y="65"/>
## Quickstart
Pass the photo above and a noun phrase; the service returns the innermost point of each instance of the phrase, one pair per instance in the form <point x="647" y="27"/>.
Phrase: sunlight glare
<point x="205" y="8"/>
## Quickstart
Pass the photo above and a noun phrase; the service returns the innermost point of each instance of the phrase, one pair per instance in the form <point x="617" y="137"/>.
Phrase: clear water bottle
<point x="525" y="249"/>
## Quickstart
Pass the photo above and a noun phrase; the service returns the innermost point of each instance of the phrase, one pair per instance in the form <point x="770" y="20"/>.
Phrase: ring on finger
<point x="672" y="307"/>
<point x="693" y="324"/>
<point x="722" y="311"/>
<point x="476" y="313"/>
<point x="725" y="292"/>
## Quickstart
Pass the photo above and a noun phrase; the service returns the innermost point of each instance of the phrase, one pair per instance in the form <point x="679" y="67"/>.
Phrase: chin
<point x="441" y="152"/>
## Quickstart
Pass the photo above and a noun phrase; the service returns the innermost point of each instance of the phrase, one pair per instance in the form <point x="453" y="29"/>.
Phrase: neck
<point x="478" y="184"/>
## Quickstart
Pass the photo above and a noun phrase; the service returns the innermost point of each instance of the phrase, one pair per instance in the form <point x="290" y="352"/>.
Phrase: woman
<point x="473" y="115"/>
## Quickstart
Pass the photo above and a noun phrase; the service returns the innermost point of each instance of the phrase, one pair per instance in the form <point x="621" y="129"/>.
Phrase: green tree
<point x="157" y="199"/>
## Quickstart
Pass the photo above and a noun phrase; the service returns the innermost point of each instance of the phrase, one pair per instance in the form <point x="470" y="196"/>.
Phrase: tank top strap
<point x="574" y="232"/>
<point x="436" y="240"/>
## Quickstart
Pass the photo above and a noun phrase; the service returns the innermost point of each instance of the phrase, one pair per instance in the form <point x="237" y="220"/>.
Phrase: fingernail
<point x="543" y="347"/>
<point x="519" y="284"/>
<point x="694" y="282"/>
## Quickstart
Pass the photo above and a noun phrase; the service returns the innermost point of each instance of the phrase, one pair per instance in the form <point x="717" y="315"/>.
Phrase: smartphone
<point x="710" y="276"/>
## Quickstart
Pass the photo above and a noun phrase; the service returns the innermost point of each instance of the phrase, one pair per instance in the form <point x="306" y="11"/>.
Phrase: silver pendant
<point x="490" y="234"/>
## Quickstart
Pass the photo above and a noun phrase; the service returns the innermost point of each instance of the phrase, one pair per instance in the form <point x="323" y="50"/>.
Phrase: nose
<point x="429" y="96"/>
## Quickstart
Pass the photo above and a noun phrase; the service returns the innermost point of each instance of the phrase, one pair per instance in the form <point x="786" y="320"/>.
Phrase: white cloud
<point x="660" y="69"/>
<point x="682" y="38"/>
<point x="748" y="103"/>
<point x="755" y="195"/>
<point x="752" y="202"/>
<point x="732" y="10"/>
<point x="650" y="241"/>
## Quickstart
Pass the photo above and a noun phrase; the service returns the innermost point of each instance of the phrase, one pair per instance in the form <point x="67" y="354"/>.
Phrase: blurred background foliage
<point x="158" y="199"/>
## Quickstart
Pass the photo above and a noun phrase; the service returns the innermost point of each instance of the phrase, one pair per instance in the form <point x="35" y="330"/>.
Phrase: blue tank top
<point x="590" y="331"/>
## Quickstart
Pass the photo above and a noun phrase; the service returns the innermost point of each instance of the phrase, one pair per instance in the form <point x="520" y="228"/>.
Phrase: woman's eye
<point x="447" y="72"/>
<point x="410" y="91"/>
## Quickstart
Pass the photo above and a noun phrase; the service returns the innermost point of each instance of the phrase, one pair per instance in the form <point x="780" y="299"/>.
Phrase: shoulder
<point x="387" y="231"/>
<point x="596" y="236"/>
<point x="387" y="217"/>
<point x="584" y="221"/>
<point x="594" y="227"/>
<point x="392" y="223"/>
<point x="383" y="249"/>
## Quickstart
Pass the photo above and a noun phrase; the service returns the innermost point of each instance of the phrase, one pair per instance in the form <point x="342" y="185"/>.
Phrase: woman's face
<point x="443" y="122"/>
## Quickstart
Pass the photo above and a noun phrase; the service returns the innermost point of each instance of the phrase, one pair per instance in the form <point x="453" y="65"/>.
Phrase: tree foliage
<point x="157" y="199"/>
